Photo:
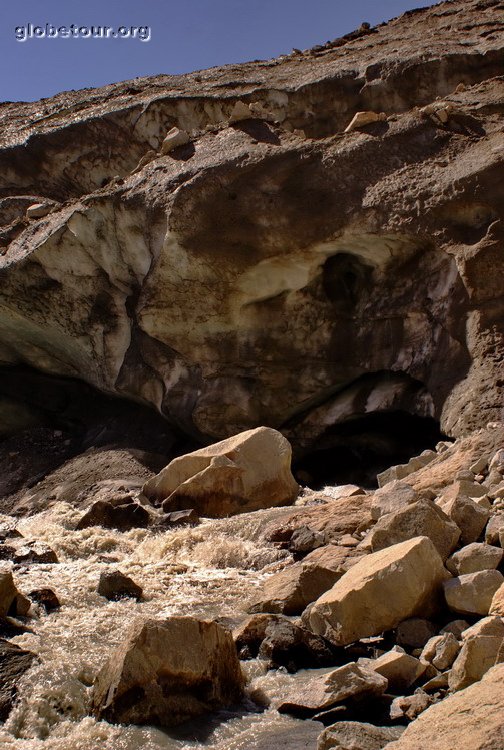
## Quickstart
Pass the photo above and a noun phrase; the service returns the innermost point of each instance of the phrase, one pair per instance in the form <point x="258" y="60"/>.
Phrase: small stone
<point x="46" y="598"/>
<point x="121" y="517"/>
<point x="39" y="210"/>
<point x="438" y="682"/>
<point x="305" y="540"/>
<point x="474" y="557"/>
<point x="472" y="594"/>
<point x="415" y="632"/>
<point x="9" y="531"/>
<point x="464" y="475"/>
<point x="348" y="541"/>
<point x="115" y="585"/>
<point x="483" y="502"/>
<point x="496" y="492"/>
<point x="480" y="465"/>
<point x="400" y="669"/>
<point x="35" y="553"/>
<point x="167" y="672"/>
<point x="189" y="517"/>
<point x="456" y="627"/>
<point x="497" y="604"/>
<point x="410" y="706"/>
<point x="421" y="518"/>
<point x="494" y="528"/>
<point x="492" y="625"/>
<point x="174" y="138"/>
<point x="22" y="605"/>
<point x="286" y="644"/>
<point x="497" y="461"/>
<point x="479" y="653"/>
<point x="250" y="633"/>
<point x="470" y="517"/>
<point x="360" y="119"/>
<point x="321" y="693"/>
<point x="355" y="735"/>
<point x="8" y="592"/>
<point x="15" y="662"/>
<point x="240" y="111"/>
<point x="392" y="497"/>
<point x="441" y="651"/>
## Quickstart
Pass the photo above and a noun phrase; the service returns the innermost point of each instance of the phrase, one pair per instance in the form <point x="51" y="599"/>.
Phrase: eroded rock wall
<point x="276" y="270"/>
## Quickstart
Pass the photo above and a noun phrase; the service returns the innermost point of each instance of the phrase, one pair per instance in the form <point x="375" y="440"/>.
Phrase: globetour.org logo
<point x="74" y="31"/>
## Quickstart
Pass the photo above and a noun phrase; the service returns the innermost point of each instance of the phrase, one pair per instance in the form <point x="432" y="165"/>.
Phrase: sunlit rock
<point x="168" y="671"/>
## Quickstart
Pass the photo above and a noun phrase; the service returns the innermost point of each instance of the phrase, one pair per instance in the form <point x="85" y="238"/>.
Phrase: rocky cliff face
<point x="274" y="270"/>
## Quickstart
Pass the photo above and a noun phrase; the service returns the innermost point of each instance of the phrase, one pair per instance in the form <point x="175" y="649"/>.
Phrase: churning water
<point x="209" y="571"/>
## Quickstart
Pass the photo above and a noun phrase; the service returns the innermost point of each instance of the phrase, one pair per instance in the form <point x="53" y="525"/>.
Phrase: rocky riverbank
<point x="378" y="615"/>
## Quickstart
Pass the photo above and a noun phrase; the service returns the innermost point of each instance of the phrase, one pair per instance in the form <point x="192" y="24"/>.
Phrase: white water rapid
<point x="208" y="571"/>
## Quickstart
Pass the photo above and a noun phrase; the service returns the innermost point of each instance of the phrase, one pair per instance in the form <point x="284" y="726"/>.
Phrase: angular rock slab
<point x="421" y="518"/>
<point x="14" y="662"/>
<point x="469" y="720"/>
<point x="246" y="472"/>
<point x="472" y="594"/>
<point x="292" y="589"/>
<point x="497" y="605"/>
<point x="474" y="557"/>
<point x="355" y="735"/>
<point x="470" y="517"/>
<point x="392" y="497"/>
<point x="400" y="669"/>
<point x="481" y="650"/>
<point x="380" y="591"/>
<point x="322" y="693"/>
<point x="168" y="671"/>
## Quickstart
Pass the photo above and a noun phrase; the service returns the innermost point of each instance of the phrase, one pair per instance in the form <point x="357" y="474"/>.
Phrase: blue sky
<point x="185" y="35"/>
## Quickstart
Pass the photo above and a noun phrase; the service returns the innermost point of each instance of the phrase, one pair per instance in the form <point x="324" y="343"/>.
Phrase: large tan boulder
<point x="320" y="693"/>
<point x="472" y="593"/>
<point x="168" y="671"/>
<point x="474" y="557"/>
<point x="497" y="604"/>
<point x="421" y="518"/>
<point x="380" y="591"/>
<point x="291" y="590"/>
<point x="12" y="601"/>
<point x="494" y="529"/>
<point x="8" y="592"/>
<point x="480" y="651"/>
<point x="354" y="735"/>
<point x="246" y="472"/>
<point x="470" y="517"/>
<point x="400" y="669"/>
<point x="334" y="520"/>
<point x="469" y="720"/>
<point x="441" y="651"/>
<point x="392" y="497"/>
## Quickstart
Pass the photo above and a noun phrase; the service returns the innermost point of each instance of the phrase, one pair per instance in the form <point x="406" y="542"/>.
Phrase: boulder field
<point x="379" y="643"/>
<point x="398" y="637"/>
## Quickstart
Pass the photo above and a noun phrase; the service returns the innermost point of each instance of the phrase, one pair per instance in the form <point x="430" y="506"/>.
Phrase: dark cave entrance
<point x="355" y="451"/>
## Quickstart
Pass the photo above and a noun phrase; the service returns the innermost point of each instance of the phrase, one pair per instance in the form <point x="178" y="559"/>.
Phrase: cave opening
<point x="355" y="451"/>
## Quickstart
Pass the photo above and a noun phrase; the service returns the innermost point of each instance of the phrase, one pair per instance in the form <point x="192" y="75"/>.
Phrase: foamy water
<point x="209" y="571"/>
